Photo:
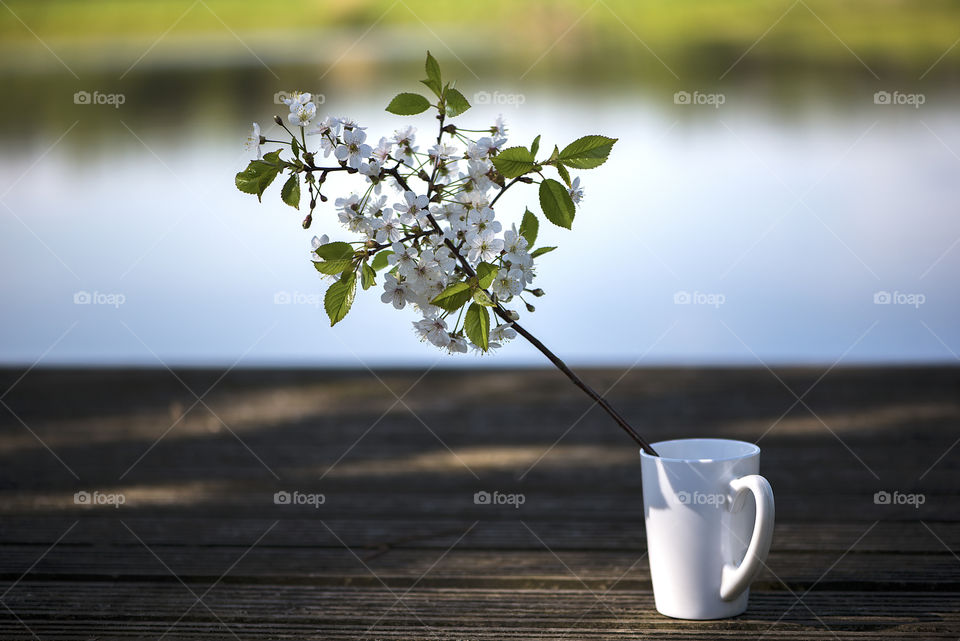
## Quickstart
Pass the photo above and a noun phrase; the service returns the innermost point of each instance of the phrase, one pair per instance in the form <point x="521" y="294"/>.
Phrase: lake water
<point x="780" y="227"/>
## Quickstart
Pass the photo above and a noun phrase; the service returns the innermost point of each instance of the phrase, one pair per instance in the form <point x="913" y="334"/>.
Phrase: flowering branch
<point x="441" y="249"/>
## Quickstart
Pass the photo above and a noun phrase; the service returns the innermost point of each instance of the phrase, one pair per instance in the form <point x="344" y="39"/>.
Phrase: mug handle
<point x="736" y="578"/>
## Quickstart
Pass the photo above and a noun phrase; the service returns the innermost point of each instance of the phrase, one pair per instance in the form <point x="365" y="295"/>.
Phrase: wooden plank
<point x="462" y="567"/>
<point x="72" y="610"/>
<point x="441" y="533"/>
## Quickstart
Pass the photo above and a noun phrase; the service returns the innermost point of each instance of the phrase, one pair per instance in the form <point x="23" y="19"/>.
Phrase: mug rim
<point x="755" y="450"/>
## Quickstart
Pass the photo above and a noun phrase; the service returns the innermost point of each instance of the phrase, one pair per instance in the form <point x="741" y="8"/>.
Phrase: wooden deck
<point x="398" y="549"/>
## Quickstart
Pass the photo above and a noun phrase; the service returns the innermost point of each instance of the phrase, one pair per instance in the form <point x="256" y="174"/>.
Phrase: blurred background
<point x="784" y="190"/>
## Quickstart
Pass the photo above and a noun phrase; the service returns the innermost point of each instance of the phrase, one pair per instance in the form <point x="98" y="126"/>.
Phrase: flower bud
<point x="512" y="315"/>
<point x="536" y="292"/>
<point x="423" y="176"/>
<point x="530" y="308"/>
<point x="278" y="120"/>
<point x="308" y="221"/>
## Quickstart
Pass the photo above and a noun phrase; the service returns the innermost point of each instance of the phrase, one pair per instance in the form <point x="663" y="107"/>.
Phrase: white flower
<point x="576" y="192"/>
<point x="405" y="258"/>
<point x="444" y="259"/>
<point x="425" y="272"/>
<point x="477" y="171"/>
<point x="507" y="284"/>
<point x="370" y="169"/>
<point x="456" y="345"/>
<point x="349" y="123"/>
<point x="433" y="330"/>
<point x="353" y="150"/>
<point x="441" y="152"/>
<point x="513" y="242"/>
<point x="301" y="115"/>
<point x="414" y="209"/>
<point x="394" y="291"/>
<point x="500" y="127"/>
<point x="253" y="140"/>
<point x="503" y="333"/>
<point x="481" y="149"/>
<point x="387" y="227"/>
<point x="481" y="220"/>
<point x="330" y="130"/>
<point x="405" y="148"/>
<point x="296" y="99"/>
<point x="484" y="246"/>
<point x="382" y="151"/>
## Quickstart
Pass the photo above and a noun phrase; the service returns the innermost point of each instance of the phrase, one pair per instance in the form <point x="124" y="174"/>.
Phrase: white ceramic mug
<point x="709" y="518"/>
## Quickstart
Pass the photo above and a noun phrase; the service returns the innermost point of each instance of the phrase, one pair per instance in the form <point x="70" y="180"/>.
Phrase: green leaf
<point x="535" y="147"/>
<point x="541" y="251"/>
<point x="563" y="173"/>
<point x="514" y="161"/>
<point x="529" y="227"/>
<point x="408" y="104"/>
<point x="477" y="326"/>
<point x="481" y="298"/>
<point x="587" y="152"/>
<point x="380" y="260"/>
<point x="434" y="87"/>
<point x="259" y="174"/>
<point x="556" y="203"/>
<point x="456" y="102"/>
<point x="485" y="274"/>
<point x="339" y="298"/>
<point x="333" y="251"/>
<point x="334" y="267"/>
<point x="290" y="193"/>
<point x="433" y="69"/>
<point x="453" y="297"/>
<point x="368" y="277"/>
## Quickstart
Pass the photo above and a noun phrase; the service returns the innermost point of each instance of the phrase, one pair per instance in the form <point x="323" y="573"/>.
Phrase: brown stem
<point x="533" y="340"/>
